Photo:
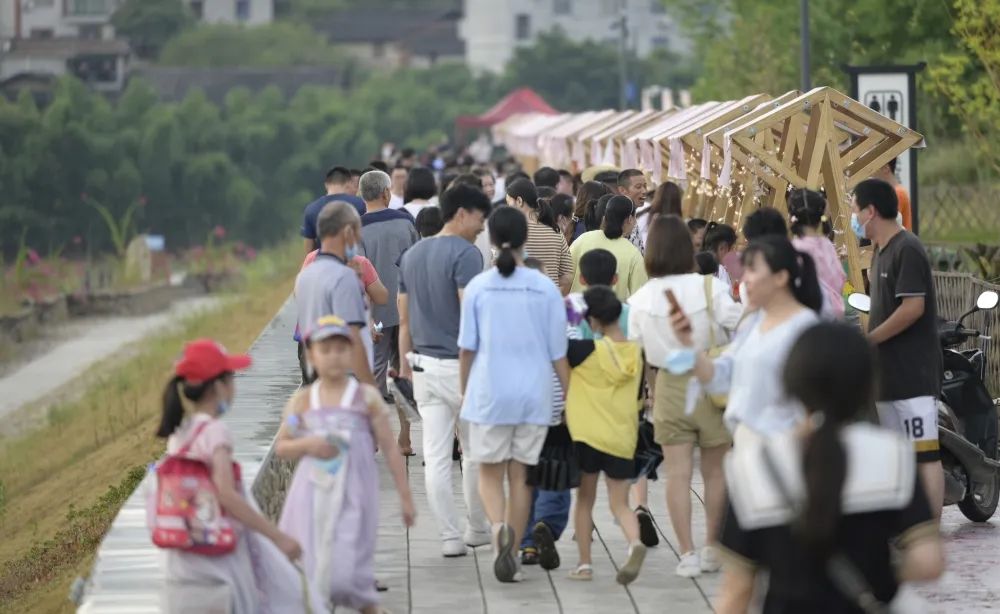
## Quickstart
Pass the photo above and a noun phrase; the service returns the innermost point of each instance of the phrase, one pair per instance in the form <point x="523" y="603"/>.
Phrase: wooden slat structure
<point x="735" y="156"/>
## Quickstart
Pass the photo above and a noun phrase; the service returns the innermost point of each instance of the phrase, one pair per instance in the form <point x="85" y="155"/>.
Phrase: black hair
<point x="338" y="175"/>
<point x="545" y="192"/>
<point x="598" y="267"/>
<point x="807" y="209"/>
<point x="420" y="184"/>
<point x="448" y="178"/>
<point x="780" y="255"/>
<point x="429" y="222"/>
<point x="892" y="165"/>
<point x="514" y="176"/>
<point x="623" y="177"/>
<point x="595" y="213"/>
<point x="463" y="196"/>
<point x="619" y="209"/>
<point x="356" y="172"/>
<point x="830" y="371"/>
<point x="608" y="178"/>
<point x="717" y="235"/>
<point x="379" y="165"/>
<point x="763" y="222"/>
<point x="565" y="173"/>
<point x="561" y="205"/>
<point x="508" y="232"/>
<point x="879" y="194"/>
<point x="602" y="304"/>
<point x="173" y="407"/>
<point x="525" y="190"/>
<point x="470" y="179"/>
<point x="546" y="177"/>
<point x="588" y="193"/>
<point x="696" y="223"/>
<point x="407" y="153"/>
<point x="707" y="264"/>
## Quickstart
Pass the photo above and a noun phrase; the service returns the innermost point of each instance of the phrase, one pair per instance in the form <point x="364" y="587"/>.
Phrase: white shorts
<point x="915" y="418"/>
<point x="498" y="443"/>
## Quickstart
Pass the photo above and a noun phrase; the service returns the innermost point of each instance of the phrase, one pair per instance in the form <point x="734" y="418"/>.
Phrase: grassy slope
<point x="60" y="484"/>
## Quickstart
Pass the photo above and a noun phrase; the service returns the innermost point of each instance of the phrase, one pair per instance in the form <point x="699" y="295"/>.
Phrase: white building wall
<point x="489" y="27"/>
<point x="9" y="67"/>
<point x="228" y="11"/>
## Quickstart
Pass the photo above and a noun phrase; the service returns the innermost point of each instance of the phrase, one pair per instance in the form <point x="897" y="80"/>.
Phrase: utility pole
<point x="804" y="33"/>
<point x="622" y="25"/>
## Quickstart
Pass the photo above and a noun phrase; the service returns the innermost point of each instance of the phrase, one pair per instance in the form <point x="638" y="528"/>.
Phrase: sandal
<point x="380" y="588"/>
<point x="583" y="573"/>
<point x="529" y="556"/>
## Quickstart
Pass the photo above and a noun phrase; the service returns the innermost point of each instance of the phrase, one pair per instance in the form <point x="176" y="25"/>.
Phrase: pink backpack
<point x="187" y="513"/>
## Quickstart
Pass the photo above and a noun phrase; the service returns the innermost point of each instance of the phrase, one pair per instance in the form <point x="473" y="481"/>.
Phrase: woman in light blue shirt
<point x="781" y="282"/>
<point x="511" y="337"/>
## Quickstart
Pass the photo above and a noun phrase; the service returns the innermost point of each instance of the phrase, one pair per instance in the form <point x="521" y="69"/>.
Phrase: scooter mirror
<point x="988" y="300"/>
<point x="861" y="302"/>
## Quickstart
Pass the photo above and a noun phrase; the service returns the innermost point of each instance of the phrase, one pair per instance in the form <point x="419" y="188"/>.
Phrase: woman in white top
<point x="420" y="190"/>
<point x="780" y="282"/>
<point x="670" y="264"/>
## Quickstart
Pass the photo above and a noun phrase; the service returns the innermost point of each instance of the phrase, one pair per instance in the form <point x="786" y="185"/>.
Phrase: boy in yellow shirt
<point x="604" y="424"/>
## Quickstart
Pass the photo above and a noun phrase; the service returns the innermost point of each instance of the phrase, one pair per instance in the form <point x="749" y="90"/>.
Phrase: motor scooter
<point x="967" y="416"/>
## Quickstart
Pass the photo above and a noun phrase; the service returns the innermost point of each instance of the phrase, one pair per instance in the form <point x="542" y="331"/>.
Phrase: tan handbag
<point x="714" y="350"/>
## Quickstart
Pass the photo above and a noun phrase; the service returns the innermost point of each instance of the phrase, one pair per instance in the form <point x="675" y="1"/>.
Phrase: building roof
<point x="521" y="100"/>
<point x="421" y="31"/>
<point x="65" y="48"/>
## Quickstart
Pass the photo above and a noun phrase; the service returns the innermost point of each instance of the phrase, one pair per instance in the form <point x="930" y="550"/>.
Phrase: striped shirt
<point x="550" y="247"/>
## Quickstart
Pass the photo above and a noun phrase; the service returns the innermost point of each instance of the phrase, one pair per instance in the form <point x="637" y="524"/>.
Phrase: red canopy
<point x="522" y="100"/>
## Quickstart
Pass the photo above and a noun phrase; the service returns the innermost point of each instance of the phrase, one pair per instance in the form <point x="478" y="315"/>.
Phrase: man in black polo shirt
<point x="903" y="327"/>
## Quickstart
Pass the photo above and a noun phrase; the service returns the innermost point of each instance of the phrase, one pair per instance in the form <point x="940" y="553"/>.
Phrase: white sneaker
<point x="474" y="539"/>
<point x="710" y="561"/>
<point x="451" y="548"/>
<point x="690" y="565"/>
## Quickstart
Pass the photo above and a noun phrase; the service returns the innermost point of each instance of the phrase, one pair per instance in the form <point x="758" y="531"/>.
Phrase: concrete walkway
<point x="421" y="580"/>
<point x="85" y="344"/>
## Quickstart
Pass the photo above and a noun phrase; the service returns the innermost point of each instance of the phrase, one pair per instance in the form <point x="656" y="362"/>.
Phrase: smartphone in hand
<point x="676" y="313"/>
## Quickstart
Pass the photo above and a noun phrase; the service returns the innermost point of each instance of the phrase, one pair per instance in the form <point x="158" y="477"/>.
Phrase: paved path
<point x="88" y="342"/>
<point x="126" y="577"/>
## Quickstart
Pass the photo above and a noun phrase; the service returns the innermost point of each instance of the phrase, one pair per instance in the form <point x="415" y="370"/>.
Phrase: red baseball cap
<point x="204" y="359"/>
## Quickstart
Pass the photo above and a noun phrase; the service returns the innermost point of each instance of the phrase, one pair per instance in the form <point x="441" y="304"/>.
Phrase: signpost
<point x="891" y="91"/>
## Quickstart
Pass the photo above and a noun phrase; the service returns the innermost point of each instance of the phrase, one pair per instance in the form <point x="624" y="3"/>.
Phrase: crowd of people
<point x="556" y="327"/>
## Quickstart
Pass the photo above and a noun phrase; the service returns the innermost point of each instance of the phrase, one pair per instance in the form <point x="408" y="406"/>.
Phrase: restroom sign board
<point x="891" y="91"/>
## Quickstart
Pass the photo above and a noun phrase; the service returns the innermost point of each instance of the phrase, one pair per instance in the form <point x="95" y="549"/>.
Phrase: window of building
<point x="660" y="42"/>
<point x="88" y="7"/>
<point x="522" y="27"/>
<point x="90" y="31"/>
<point x="243" y="10"/>
<point x="198" y="8"/>
<point x="562" y="7"/>
<point x="40" y="33"/>
<point x="43" y="4"/>
<point x="656" y="7"/>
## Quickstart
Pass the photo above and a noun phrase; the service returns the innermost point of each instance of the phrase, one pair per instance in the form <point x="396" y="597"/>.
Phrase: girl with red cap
<point x="255" y="575"/>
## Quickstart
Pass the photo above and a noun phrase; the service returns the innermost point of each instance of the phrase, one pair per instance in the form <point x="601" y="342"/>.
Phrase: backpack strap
<point x="353" y="394"/>
<point x="197" y="431"/>
<point x="314" y="401"/>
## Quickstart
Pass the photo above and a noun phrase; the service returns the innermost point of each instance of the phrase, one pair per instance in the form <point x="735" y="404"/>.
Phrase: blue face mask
<point x="857" y="227"/>
<point x="350" y="252"/>
<point x="680" y="362"/>
<point x="221" y="408"/>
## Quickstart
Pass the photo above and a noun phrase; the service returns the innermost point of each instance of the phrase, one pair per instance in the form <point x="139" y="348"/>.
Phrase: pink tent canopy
<point x="521" y="100"/>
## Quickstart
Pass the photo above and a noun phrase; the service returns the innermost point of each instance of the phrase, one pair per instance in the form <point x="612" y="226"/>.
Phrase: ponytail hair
<point x="526" y="191"/>
<point x="176" y="391"/>
<point x="780" y="255"/>
<point x="807" y="209"/>
<point x="830" y="371"/>
<point x="595" y="213"/>
<point x="619" y="209"/>
<point x="508" y="232"/>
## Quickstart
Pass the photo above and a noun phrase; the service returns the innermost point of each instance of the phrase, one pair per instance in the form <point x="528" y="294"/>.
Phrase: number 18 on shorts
<point x="917" y="420"/>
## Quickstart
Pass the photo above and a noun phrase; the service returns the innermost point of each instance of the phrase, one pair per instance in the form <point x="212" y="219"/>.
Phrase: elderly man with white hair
<point x="387" y="234"/>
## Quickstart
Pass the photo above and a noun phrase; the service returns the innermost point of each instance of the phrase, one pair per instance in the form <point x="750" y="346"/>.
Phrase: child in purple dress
<point x="333" y="426"/>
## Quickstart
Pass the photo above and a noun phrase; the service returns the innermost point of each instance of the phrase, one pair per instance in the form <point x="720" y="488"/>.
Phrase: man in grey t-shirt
<point x="433" y="276"/>
<point x="329" y="287"/>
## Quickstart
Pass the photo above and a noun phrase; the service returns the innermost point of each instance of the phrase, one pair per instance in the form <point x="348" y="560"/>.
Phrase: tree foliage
<point x="149" y="24"/>
<point x="969" y="78"/>
<point x="249" y="164"/>
<point x="276" y="44"/>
